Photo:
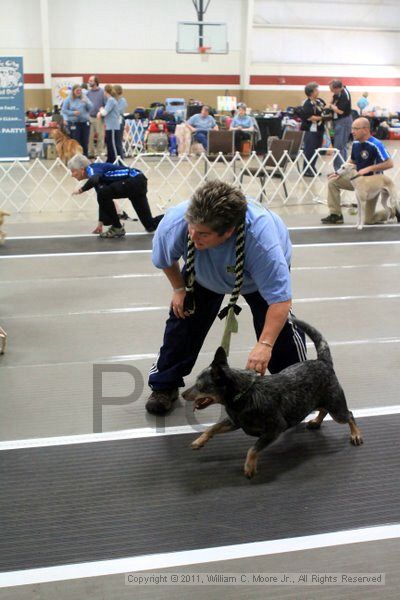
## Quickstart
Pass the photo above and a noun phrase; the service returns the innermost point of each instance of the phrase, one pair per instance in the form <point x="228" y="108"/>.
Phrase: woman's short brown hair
<point x="218" y="205"/>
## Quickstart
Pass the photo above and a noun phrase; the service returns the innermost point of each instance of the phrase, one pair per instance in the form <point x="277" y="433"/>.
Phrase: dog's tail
<point x="321" y="345"/>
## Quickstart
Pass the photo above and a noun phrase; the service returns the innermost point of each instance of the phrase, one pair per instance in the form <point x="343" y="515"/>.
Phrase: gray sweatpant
<point x="342" y="128"/>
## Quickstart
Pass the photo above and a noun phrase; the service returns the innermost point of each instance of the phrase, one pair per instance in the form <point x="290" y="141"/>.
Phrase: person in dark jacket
<point x="111" y="182"/>
<point x="342" y="120"/>
<point x="313" y="125"/>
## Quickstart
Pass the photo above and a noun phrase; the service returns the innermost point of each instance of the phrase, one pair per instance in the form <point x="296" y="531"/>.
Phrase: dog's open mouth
<point x="202" y="402"/>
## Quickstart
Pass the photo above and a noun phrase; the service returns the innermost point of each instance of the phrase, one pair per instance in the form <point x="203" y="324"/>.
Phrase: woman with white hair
<point x="110" y="182"/>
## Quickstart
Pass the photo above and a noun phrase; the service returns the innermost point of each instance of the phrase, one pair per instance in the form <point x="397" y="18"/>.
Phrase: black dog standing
<point x="266" y="406"/>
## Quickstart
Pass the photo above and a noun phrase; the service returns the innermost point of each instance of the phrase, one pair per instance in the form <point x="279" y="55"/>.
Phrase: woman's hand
<point x="177" y="302"/>
<point x="259" y="358"/>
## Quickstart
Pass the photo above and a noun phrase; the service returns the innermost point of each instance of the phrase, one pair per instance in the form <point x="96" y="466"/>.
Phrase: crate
<point x="50" y="152"/>
<point x="35" y="149"/>
<point x="49" y="149"/>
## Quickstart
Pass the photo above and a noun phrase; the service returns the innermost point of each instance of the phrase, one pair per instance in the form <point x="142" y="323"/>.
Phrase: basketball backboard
<point x="199" y="37"/>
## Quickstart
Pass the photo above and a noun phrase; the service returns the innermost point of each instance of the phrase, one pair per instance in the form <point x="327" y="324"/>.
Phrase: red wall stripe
<point x="33" y="78"/>
<point x="303" y="80"/>
<point x="170" y="79"/>
<point x="158" y="78"/>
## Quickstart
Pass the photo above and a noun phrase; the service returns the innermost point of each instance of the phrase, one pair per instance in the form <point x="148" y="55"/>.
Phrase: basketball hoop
<point x="204" y="49"/>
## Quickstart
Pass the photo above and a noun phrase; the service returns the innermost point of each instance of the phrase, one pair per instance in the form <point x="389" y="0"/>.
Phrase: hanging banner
<point x="226" y="103"/>
<point x="12" y="109"/>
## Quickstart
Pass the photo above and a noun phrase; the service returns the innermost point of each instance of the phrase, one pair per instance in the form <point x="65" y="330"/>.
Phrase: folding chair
<point x="296" y="137"/>
<point x="221" y="145"/>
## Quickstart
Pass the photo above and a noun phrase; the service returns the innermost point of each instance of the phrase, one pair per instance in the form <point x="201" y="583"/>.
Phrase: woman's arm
<point x="177" y="282"/>
<point x="275" y="319"/>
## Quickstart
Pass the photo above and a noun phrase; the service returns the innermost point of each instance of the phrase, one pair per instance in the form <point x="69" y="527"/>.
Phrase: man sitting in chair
<point x="200" y="124"/>
<point x="243" y="126"/>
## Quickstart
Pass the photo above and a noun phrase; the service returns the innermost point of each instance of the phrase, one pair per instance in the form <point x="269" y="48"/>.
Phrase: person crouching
<point x="113" y="181"/>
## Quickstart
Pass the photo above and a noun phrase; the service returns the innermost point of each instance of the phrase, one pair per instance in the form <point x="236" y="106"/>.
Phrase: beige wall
<point x="42" y="98"/>
<point x="37" y="99"/>
<point x="260" y="99"/>
<point x="256" y="99"/>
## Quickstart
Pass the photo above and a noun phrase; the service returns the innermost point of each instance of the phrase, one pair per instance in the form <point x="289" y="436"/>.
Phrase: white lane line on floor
<point x="341" y="267"/>
<point x="160" y="274"/>
<point x="154" y="562"/>
<point x="153" y="355"/>
<point x="107" y="252"/>
<point x="101" y="311"/>
<point x="333" y="244"/>
<point x="62" y="236"/>
<point x="141" y="308"/>
<point x="346" y="298"/>
<point x="82" y="278"/>
<point x="327" y="228"/>
<point x="146" y="432"/>
<point x="63" y="254"/>
<point x="140" y="233"/>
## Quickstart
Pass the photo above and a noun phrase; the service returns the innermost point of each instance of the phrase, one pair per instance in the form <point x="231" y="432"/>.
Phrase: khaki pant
<point x="341" y="183"/>
<point x="96" y="127"/>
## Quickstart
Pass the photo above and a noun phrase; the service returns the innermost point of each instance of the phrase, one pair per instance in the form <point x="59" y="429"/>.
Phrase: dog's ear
<point x="218" y="365"/>
<point x="219" y="358"/>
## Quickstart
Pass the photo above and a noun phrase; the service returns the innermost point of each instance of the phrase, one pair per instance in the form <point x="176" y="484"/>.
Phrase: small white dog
<point x="368" y="189"/>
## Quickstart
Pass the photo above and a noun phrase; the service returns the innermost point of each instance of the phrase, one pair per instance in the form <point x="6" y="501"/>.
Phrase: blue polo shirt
<point x="112" y="116"/>
<point x="244" y="121"/>
<point x="267" y="254"/>
<point x="362" y="103"/>
<point x="202" y="123"/>
<point x="70" y="105"/>
<point x="370" y="152"/>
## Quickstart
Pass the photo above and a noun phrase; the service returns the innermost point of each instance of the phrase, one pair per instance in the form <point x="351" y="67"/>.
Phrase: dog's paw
<point x="250" y="465"/>
<point x="314" y="424"/>
<point x="356" y="440"/>
<point x="197" y="444"/>
<point x="250" y="469"/>
<point x="359" y="227"/>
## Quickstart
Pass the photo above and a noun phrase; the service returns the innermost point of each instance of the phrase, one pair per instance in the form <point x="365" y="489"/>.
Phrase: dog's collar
<point x="240" y="395"/>
<point x="355" y="177"/>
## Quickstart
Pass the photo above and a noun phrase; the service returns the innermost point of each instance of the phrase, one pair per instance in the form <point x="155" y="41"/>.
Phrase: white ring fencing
<point x="46" y="185"/>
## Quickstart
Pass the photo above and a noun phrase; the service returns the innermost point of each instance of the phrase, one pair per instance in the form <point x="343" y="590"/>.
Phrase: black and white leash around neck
<point x="232" y="309"/>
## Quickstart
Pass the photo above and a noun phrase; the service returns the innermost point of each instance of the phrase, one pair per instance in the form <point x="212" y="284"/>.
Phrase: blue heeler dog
<point x="266" y="406"/>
